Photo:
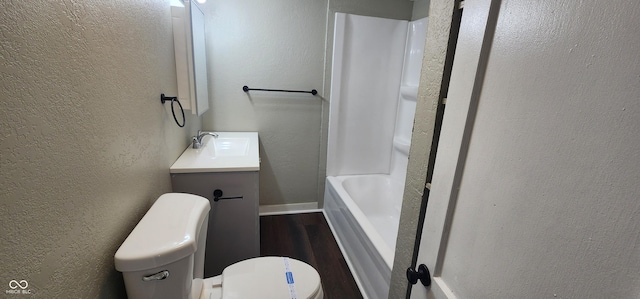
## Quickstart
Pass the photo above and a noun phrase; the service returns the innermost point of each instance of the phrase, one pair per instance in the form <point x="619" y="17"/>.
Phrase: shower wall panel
<point x="366" y="74"/>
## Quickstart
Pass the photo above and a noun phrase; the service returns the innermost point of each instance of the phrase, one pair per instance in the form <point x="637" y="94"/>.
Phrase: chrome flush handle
<point x="158" y="276"/>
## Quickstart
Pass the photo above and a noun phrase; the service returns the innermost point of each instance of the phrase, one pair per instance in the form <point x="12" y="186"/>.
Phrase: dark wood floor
<point x="307" y="237"/>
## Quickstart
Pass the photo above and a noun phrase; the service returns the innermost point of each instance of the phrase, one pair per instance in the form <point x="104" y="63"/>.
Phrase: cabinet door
<point x="233" y="233"/>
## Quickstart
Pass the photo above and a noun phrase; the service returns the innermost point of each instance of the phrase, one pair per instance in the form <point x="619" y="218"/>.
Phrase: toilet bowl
<point x="163" y="258"/>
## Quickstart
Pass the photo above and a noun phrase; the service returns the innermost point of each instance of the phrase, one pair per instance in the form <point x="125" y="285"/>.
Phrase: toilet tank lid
<point x="168" y="232"/>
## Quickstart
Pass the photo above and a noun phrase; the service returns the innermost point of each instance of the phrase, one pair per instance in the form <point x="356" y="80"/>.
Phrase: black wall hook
<point x="164" y="98"/>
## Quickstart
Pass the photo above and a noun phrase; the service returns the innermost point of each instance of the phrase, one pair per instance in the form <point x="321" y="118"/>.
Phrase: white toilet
<point x="163" y="258"/>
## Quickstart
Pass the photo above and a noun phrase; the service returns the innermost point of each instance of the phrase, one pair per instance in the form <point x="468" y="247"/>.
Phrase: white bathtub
<point x="364" y="214"/>
<point x="372" y="103"/>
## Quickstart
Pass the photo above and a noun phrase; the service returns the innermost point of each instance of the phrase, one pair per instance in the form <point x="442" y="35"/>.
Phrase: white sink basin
<point x="230" y="151"/>
<point x="230" y="147"/>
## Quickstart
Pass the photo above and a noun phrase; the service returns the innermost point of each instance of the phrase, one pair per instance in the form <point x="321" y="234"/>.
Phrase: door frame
<point x="469" y="72"/>
<point x="442" y="36"/>
<point x="432" y="90"/>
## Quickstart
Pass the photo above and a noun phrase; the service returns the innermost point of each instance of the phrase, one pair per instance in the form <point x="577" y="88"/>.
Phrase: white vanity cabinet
<point x="233" y="232"/>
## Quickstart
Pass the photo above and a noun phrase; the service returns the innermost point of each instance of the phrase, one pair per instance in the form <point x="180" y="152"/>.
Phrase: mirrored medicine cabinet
<point x="191" y="60"/>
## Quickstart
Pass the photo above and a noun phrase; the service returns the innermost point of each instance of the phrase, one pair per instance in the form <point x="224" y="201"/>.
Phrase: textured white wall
<point x="279" y="44"/>
<point x="547" y="203"/>
<point x="553" y="161"/>
<point x="420" y="9"/>
<point x="85" y="143"/>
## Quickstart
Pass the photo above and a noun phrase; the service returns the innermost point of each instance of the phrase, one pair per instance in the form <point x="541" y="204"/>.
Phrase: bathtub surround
<point x="364" y="92"/>
<point x="373" y="100"/>
<point x="86" y="144"/>
<point x="398" y="10"/>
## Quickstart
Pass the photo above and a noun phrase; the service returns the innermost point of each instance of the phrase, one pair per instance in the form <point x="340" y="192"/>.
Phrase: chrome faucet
<point x="197" y="140"/>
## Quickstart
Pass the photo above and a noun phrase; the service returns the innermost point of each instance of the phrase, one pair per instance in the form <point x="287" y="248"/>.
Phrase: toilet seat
<point x="265" y="278"/>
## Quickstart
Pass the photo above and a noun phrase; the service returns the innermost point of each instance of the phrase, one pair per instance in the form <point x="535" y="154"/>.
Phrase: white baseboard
<point x="292" y="208"/>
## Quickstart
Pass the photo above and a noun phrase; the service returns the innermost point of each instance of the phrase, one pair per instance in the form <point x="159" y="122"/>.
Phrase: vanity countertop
<point x="230" y="151"/>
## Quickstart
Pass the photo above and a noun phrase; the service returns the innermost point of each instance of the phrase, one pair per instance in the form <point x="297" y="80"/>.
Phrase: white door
<point x="536" y="186"/>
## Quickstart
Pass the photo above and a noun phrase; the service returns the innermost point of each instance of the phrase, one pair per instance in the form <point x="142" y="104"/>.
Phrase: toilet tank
<point x="163" y="257"/>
